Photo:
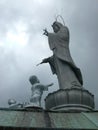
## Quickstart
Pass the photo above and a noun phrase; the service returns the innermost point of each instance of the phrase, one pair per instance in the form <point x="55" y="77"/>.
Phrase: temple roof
<point x="42" y="119"/>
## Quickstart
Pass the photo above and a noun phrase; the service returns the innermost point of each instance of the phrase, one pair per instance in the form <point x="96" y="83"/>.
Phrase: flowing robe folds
<point x="61" y="62"/>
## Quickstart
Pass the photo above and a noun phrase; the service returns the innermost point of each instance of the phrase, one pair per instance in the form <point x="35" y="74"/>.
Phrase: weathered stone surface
<point x="61" y="62"/>
<point x="74" y="99"/>
<point x="37" y="91"/>
<point x="71" y="96"/>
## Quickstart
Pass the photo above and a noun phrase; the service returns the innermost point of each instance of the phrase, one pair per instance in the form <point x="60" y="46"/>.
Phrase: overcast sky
<point x="22" y="44"/>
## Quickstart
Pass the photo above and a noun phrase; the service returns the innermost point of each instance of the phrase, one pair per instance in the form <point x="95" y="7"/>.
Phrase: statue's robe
<point x="37" y="91"/>
<point x="61" y="62"/>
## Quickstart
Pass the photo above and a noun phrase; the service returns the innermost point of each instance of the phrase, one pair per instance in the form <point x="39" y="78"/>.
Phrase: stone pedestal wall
<point x="73" y="99"/>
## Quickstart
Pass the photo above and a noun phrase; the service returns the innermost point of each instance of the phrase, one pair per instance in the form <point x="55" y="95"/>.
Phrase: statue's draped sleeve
<point x="59" y="44"/>
<point x="58" y="38"/>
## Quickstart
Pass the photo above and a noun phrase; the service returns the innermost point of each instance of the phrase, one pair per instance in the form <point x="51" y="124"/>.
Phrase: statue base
<point x="31" y="107"/>
<point x="73" y="99"/>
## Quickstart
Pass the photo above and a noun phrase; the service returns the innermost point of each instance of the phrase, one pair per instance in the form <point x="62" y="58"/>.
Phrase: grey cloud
<point x="17" y="64"/>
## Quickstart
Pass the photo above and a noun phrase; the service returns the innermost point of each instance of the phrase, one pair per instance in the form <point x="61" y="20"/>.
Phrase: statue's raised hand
<point x="45" y="32"/>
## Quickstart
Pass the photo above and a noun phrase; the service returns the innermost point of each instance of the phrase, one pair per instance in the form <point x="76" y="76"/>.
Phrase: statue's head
<point x="56" y="26"/>
<point x="33" y="79"/>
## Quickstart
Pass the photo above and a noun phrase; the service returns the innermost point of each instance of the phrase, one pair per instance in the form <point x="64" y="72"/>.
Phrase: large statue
<point x="37" y="91"/>
<point x="61" y="62"/>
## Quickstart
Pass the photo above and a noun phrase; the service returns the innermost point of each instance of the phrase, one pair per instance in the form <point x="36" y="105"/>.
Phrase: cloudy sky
<point x="22" y="44"/>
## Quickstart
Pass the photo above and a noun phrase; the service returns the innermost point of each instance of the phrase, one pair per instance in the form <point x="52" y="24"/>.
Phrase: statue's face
<point x="56" y="28"/>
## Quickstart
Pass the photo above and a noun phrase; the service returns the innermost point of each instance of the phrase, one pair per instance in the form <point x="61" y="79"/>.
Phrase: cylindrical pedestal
<point x="73" y="99"/>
